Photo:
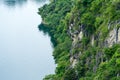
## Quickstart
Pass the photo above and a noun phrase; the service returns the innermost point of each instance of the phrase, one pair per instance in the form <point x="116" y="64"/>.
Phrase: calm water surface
<point x="25" y="52"/>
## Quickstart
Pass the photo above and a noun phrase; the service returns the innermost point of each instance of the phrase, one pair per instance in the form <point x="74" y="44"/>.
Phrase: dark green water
<point x="25" y="52"/>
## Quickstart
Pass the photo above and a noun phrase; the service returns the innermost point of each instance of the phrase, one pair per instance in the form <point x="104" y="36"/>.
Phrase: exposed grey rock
<point x="92" y="40"/>
<point x="118" y="35"/>
<point x="112" y="37"/>
<point x="80" y="35"/>
<point x="118" y="75"/>
<point x="94" y="69"/>
<point x="75" y="61"/>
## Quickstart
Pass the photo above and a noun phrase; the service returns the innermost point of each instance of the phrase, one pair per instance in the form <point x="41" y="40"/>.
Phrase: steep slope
<point x="86" y="37"/>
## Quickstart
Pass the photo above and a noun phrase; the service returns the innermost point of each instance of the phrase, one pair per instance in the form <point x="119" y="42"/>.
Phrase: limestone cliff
<point x="87" y="37"/>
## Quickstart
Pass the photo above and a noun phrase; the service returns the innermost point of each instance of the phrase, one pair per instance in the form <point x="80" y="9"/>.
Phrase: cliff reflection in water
<point x="13" y="3"/>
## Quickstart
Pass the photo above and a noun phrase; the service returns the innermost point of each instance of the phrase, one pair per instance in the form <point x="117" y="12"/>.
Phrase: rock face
<point x="118" y="36"/>
<point x="76" y="36"/>
<point x="92" y="40"/>
<point x="113" y="37"/>
<point x="114" y="34"/>
<point x="90" y="30"/>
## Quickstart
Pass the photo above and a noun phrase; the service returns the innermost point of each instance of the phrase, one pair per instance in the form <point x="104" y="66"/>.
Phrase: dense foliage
<point x="94" y="61"/>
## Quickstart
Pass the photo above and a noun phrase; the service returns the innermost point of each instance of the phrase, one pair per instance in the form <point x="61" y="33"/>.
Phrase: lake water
<point x="25" y="52"/>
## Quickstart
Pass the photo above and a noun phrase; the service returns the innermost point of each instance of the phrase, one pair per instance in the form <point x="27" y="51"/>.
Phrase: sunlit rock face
<point x="113" y="37"/>
<point x="118" y="35"/>
<point x="114" y="34"/>
<point x="92" y="40"/>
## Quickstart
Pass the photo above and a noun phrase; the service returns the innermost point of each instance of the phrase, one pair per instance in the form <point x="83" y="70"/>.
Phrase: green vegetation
<point x="95" y="61"/>
<point x="109" y="70"/>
